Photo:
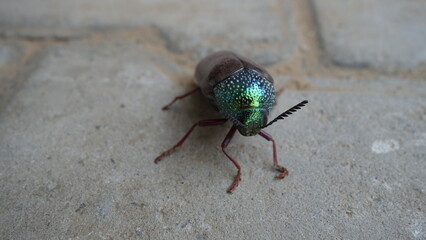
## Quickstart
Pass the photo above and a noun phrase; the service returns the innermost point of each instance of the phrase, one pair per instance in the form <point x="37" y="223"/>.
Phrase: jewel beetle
<point x="243" y="92"/>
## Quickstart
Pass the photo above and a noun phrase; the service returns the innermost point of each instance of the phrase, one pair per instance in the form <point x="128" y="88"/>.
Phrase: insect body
<point x="243" y="92"/>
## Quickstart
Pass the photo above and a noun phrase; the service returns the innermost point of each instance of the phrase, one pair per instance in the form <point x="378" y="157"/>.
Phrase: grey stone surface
<point x="13" y="60"/>
<point x="264" y="29"/>
<point x="7" y="54"/>
<point x="77" y="144"/>
<point x="384" y="34"/>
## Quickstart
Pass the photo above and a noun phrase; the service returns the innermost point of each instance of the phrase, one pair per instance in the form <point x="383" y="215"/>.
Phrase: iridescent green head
<point x="245" y="98"/>
<point x="253" y="120"/>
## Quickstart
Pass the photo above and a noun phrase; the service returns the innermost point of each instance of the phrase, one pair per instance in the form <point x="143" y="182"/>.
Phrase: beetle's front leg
<point x="225" y="143"/>
<point x="283" y="170"/>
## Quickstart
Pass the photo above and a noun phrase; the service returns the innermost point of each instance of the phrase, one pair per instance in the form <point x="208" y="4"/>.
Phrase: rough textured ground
<point x="385" y="34"/>
<point x="81" y="90"/>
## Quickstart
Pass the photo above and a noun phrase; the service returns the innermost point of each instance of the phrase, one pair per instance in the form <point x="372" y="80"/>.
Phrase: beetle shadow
<point x="188" y="111"/>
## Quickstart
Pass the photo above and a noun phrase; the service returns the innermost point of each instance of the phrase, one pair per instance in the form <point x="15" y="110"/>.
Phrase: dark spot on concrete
<point x="112" y="160"/>
<point x="122" y="105"/>
<point x="186" y="223"/>
<point x="138" y="205"/>
<point x="98" y="127"/>
<point x="349" y="213"/>
<point x="79" y="209"/>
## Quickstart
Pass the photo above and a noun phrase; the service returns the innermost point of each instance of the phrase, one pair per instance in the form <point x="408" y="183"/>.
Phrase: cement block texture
<point x="385" y="34"/>
<point x="264" y="29"/>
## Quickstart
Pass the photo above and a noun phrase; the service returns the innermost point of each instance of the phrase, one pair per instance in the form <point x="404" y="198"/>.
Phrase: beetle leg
<point x="225" y="143"/>
<point x="283" y="170"/>
<point x="180" y="97"/>
<point x="202" y="123"/>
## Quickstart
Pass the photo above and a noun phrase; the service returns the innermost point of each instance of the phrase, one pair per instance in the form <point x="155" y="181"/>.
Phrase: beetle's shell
<point x="220" y="65"/>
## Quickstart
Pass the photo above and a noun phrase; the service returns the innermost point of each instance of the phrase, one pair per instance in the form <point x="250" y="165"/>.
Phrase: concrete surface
<point x="267" y="27"/>
<point x="80" y="126"/>
<point x="384" y="34"/>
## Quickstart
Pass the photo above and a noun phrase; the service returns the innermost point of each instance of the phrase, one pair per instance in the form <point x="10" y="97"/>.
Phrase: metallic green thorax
<point x="246" y="97"/>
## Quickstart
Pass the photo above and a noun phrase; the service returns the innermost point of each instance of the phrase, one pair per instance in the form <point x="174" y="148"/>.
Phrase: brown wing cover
<point x="220" y="65"/>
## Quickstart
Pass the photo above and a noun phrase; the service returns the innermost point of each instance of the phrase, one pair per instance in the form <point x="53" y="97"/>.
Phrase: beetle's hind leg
<point x="202" y="123"/>
<point x="180" y="97"/>
<point x="283" y="170"/>
<point x="225" y="143"/>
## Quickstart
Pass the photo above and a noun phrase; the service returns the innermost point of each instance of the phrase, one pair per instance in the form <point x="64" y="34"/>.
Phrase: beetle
<point x="243" y="92"/>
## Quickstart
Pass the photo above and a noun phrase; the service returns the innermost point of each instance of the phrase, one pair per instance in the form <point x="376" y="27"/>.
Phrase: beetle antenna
<point x="287" y="113"/>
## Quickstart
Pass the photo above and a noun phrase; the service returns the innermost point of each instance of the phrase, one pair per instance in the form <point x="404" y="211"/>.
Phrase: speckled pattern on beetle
<point x="243" y="92"/>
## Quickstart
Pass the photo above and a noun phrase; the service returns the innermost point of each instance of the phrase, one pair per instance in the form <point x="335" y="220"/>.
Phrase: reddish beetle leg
<point x="202" y="123"/>
<point x="276" y="165"/>
<point x="225" y="143"/>
<point x="180" y="97"/>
